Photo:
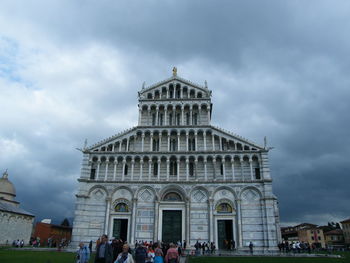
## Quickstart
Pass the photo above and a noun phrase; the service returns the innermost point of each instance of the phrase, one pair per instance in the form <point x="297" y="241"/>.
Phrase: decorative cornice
<point x="173" y="78"/>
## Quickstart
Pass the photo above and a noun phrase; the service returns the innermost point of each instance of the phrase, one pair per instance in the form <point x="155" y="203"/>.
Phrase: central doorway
<point x="120" y="229"/>
<point x="172" y="226"/>
<point x="225" y="233"/>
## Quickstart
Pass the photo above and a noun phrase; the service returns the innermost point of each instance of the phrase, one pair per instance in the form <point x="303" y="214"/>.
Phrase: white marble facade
<point x="174" y="160"/>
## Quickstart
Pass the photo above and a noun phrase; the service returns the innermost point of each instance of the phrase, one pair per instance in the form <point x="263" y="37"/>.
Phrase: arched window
<point x="224" y="208"/>
<point x="195" y="119"/>
<point x="199" y="95"/>
<point x="92" y="173"/>
<point x="126" y="169"/>
<point x="187" y="119"/>
<point x="172" y="196"/>
<point x="153" y="119"/>
<point x="155" y="146"/>
<point x="160" y="121"/>
<point x="121" y="207"/>
<point x="173" y="145"/>
<point x="191" y="168"/>
<point x="173" y="168"/>
<point x="178" y="119"/>
<point x="170" y="119"/>
<point x="149" y="96"/>
<point x="222" y="169"/>
<point x="155" y="168"/>
<point x="192" y="144"/>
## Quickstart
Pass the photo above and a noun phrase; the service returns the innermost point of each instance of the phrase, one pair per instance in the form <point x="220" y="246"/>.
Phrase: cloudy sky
<point x="70" y="70"/>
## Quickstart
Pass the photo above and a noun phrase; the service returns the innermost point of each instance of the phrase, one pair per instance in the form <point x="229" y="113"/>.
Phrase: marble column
<point x="178" y="141"/>
<point x="187" y="218"/>
<point x="165" y="116"/>
<point x="149" y="169"/>
<point x="187" y="170"/>
<point x="196" y="141"/>
<point x="115" y="170"/>
<point x="123" y="172"/>
<point x="106" y="170"/>
<point x="233" y="168"/>
<point x="160" y="142"/>
<point x="182" y="115"/>
<point x="187" y="144"/>
<point x="167" y="168"/>
<point x="178" y="169"/>
<point x="133" y="221"/>
<point x="108" y="205"/>
<point x="132" y="168"/>
<point x="205" y="170"/>
<point x="205" y="140"/>
<point x="211" y="220"/>
<point x="239" y="223"/>
<point x="223" y="169"/>
<point x="213" y="141"/>
<point x="156" y="220"/>
<point x="158" y="171"/>
<point x="141" y="168"/>
<point x="191" y="117"/>
<point x="142" y="142"/>
<point x="151" y="142"/>
<point x="168" y="142"/>
<point x="251" y="169"/>
<point x="98" y="170"/>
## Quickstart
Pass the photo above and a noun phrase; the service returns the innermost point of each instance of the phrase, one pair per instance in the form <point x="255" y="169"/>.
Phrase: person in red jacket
<point x="172" y="256"/>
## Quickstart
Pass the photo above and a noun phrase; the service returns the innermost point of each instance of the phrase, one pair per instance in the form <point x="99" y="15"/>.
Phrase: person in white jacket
<point x="125" y="256"/>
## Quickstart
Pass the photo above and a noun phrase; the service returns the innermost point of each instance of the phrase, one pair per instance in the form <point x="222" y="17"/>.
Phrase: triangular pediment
<point x="174" y="80"/>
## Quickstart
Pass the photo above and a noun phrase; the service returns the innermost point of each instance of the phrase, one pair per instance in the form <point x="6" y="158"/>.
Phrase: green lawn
<point x="25" y="256"/>
<point x="269" y="259"/>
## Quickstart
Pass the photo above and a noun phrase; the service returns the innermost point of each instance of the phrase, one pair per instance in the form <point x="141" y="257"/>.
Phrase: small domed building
<point x="15" y="223"/>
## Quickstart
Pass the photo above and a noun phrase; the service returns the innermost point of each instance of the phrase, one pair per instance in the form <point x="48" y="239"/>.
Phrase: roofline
<point x="26" y="214"/>
<point x="176" y="77"/>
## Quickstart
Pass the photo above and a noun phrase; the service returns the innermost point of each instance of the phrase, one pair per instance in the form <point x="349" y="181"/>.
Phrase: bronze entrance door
<point x="225" y="232"/>
<point x="120" y="229"/>
<point x="172" y="226"/>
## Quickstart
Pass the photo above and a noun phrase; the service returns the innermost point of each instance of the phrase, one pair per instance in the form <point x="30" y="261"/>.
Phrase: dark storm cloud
<point x="279" y="68"/>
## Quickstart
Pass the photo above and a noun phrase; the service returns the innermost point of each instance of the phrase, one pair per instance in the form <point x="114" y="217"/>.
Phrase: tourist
<point x="104" y="252"/>
<point x="140" y="254"/>
<point x="158" y="252"/>
<point x="251" y="247"/>
<point x="90" y="246"/>
<point x="172" y="256"/>
<point x="197" y="247"/>
<point x="83" y="254"/>
<point x="125" y="256"/>
<point x="212" y="248"/>
<point x="150" y="255"/>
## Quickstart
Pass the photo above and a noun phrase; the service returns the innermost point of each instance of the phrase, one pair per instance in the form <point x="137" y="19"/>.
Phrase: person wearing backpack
<point x="140" y="254"/>
<point x="83" y="254"/>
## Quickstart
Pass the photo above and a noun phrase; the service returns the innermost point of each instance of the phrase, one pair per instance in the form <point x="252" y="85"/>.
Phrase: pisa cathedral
<point x="175" y="177"/>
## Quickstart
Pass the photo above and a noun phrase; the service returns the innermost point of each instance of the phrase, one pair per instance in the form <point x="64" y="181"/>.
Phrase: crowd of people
<point x="119" y="251"/>
<point x="295" y="247"/>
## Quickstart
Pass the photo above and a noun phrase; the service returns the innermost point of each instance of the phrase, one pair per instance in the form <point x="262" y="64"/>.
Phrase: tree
<point x="65" y="222"/>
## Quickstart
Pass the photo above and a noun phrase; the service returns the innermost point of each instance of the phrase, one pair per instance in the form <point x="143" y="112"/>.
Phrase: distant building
<point x="305" y="232"/>
<point x="52" y="235"/>
<point x="346" y="231"/>
<point x="334" y="238"/>
<point x="290" y="233"/>
<point x="15" y="223"/>
<point x="313" y="236"/>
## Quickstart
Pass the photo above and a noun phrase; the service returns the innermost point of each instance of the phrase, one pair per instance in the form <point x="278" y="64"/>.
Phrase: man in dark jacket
<point x="104" y="251"/>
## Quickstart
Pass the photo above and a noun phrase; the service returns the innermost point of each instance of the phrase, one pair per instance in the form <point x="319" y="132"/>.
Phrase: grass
<point x="29" y="256"/>
<point x="257" y="259"/>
